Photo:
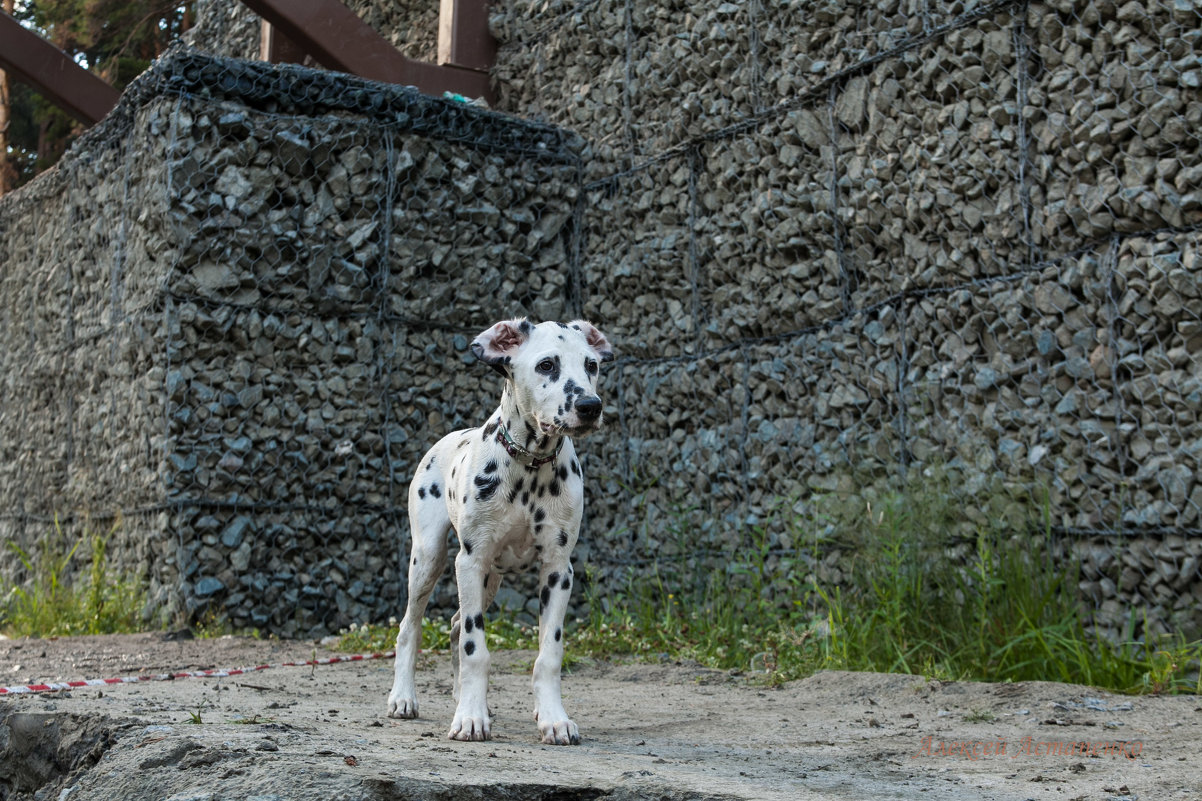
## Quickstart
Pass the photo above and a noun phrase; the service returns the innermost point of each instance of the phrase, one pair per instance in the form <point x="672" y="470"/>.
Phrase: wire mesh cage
<point x="836" y="245"/>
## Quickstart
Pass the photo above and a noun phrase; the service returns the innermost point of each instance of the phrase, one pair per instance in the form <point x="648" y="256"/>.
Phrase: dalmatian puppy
<point x="513" y="490"/>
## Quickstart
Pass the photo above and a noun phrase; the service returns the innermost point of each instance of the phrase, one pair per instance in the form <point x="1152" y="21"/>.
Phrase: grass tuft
<point x="58" y="598"/>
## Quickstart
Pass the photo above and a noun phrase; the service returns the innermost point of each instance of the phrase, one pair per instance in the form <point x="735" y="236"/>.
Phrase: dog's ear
<point x="496" y="346"/>
<point x="595" y="338"/>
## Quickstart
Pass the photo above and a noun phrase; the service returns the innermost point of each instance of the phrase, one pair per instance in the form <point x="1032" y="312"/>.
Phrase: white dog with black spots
<point x="513" y="490"/>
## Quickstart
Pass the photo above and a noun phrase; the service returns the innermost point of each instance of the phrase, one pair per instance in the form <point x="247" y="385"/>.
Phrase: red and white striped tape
<point x="191" y="674"/>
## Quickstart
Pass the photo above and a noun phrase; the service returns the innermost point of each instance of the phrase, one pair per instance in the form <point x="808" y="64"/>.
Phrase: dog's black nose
<point x="588" y="408"/>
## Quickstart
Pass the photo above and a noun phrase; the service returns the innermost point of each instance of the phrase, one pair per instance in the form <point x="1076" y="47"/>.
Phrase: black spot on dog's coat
<point x="421" y="493"/>
<point x="513" y="492"/>
<point x="469" y="647"/>
<point x="467" y="625"/>
<point x="488" y="486"/>
<point x="545" y="595"/>
<point x="567" y="584"/>
<point x="555" y="371"/>
<point x="491" y="467"/>
<point x="552" y="579"/>
<point x="558" y="634"/>
<point x="539" y="515"/>
<point x="563" y="538"/>
<point x="479" y="620"/>
<point x="435" y="491"/>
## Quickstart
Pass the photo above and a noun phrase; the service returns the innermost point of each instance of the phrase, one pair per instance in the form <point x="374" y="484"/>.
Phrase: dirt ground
<point x="650" y="731"/>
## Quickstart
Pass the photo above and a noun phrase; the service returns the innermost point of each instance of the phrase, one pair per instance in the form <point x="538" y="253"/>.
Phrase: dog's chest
<point x="519" y="527"/>
<point x="516" y="553"/>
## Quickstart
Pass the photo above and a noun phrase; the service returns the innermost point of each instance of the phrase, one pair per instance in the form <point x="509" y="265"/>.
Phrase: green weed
<point x="503" y="630"/>
<point x="197" y="717"/>
<point x="1002" y="607"/>
<point x="933" y="583"/>
<point x="57" y="599"/>
<point x="213" y="625"/>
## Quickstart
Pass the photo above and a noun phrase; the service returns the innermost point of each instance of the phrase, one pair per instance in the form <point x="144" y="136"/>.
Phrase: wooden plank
<point x="335" y="36"/>
<point x="463" y="36"/>
<point x="33" y="60"/>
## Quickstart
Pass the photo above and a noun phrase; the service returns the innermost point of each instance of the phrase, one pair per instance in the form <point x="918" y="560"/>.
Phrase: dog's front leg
<point x="471" y="715"/>
<point x="554" y="726"/>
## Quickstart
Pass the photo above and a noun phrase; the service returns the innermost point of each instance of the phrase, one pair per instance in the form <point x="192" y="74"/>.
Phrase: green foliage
<point x="938" y="584"/>
<point x="212" y="625"/>
<point x="1001" y="606"/>
<point x="56" y="599"/>
<point x="503" y="630"/>
<point x="115" y="40"/>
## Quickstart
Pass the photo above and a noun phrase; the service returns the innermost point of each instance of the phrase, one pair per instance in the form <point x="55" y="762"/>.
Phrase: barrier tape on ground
<point x="192" y="674"/>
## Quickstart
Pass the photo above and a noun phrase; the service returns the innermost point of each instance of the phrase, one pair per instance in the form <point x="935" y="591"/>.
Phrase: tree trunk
<point x="8" y="176"/>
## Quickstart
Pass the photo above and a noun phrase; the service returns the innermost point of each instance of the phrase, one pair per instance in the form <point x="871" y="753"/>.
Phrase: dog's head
<point x="552" y="370"/>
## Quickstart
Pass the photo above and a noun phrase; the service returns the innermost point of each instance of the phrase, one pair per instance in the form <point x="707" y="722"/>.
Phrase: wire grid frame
<point x="905" y="248"/>
<point x="272" y="324"/>
<point x="889" y="236"/>
<point x="321" y="305"/>
<point x="78" y="416"/>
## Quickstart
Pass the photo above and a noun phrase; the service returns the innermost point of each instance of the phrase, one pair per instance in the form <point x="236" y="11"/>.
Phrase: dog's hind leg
<point x="429" y="523"/>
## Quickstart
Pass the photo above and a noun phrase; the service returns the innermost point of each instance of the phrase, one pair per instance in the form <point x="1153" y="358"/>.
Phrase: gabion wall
<point x="834" y="243"/>
<point x="838" y="242"/>
<point x="240" y="311"/>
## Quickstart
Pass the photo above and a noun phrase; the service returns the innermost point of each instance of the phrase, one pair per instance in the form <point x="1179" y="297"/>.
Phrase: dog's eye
<point x="545" y="366"/>
<point x="590" y="365"/>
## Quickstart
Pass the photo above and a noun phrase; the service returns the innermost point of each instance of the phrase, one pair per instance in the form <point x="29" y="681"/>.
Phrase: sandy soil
<point x="650" y="731"/>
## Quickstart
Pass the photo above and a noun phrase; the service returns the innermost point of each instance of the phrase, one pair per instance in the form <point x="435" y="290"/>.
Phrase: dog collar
<point x="523" y="456"/>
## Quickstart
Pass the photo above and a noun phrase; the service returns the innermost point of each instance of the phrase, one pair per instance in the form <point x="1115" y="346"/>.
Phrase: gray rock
<point x="208" y="586"/>
<point x="233" y="534"/>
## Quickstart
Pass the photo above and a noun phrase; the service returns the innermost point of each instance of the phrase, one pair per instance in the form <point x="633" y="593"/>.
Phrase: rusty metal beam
<point x="335" y="36"/>
<point x="33" y="60"/>
<point x="463" y="36"/>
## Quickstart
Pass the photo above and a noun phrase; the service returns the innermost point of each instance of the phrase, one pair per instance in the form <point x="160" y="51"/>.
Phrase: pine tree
<point x="113" y="38"/>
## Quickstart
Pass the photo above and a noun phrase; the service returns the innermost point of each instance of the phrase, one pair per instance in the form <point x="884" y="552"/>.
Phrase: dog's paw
<point x="557" y="732"/>
<point x="400" y="707"/>
<point x="470" y="728"/>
